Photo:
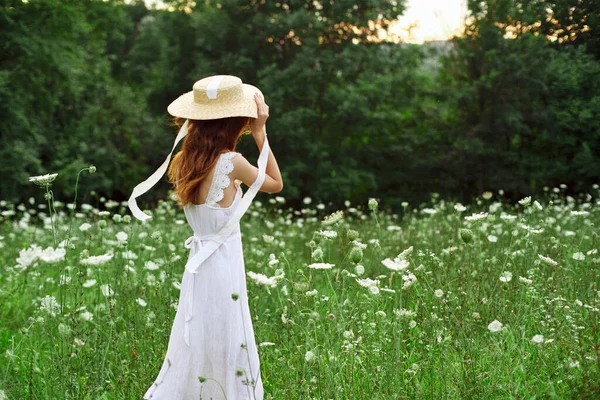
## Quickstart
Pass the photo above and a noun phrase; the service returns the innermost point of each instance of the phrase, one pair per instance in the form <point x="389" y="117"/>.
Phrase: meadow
<point x="489" y="300"/>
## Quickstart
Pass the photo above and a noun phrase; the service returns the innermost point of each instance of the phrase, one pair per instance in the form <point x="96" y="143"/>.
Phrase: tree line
<point x="513" y="103"/>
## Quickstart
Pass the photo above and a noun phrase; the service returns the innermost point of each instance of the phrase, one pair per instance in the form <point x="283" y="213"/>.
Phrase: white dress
<point x="212" y="334"/>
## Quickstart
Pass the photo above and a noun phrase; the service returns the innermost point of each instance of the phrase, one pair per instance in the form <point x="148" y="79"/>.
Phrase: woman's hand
<point x="257" y="125"/>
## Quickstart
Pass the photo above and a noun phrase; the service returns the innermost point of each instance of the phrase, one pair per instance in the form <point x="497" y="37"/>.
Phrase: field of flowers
<point x="490" y="300"/>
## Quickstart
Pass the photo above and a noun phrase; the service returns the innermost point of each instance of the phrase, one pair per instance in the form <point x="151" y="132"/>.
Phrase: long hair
<point x="202" y="146"/>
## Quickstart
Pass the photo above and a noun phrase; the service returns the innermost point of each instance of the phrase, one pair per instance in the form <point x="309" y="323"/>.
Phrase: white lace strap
<point x="220" y="179"/>
<point x="196" y="261"/>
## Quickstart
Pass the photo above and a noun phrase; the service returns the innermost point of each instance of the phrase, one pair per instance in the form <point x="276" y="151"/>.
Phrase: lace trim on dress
<point x="220" y="179"/>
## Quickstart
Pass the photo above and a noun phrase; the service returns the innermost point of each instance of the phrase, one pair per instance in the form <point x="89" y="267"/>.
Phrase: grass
<point x="422" y="331"/>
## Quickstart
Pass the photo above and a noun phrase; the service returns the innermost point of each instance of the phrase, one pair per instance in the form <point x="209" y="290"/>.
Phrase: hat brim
<point x="185" y="106"/>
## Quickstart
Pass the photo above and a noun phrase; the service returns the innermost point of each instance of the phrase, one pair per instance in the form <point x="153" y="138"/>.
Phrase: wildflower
<point x="358" y="244"/>
<point x="412" y="324"/>
<point x="547" y="260"/>
<point x="92" y="169"/>
<point x="525" y="201"/>
<point x="273" y="260"/>
<point x="317" y="253"/>
<point x="373" y="204"/>
<point x="356" y="254"/>
<point x="121" y="236"/>
<point x="141" y="302"/>
<point x="327" y="234"/>
<point x="78" y="342"/>
<point x="537" y="205"/>
<point x="106" y="290"/>
<point x="311" y="293"/>
<point x="309" y="356"/>
<point x="476" y="315"/>
<point x="359" y="269"/>
<point x="466" y="235"/>
<point x="352" y="234"/>
<point x="84" y="227"/>
<point x="408" y="279"/>
<point x="103" y="213"/>
<point x="89" y="283"/>
<point x="320" y="266"/>
<point x="477" y="216"/>
<point x="280" y="199"/>
<point x="396" y="264"/>
<point x="333" y="218"/>
<point x="97" y="260"/>
<point x="307" y="200"/>
<point x="506" y="276"/>
<point x="262" y="279"/>
<point x="151" y="265"/>
<point x="537" y="339"/>
<point x="487" y="195"/>
<point x="49" y="305"/>
<point x="381" y="314"/>
<point x="404" y="313"/>
<point x="28" y="256"/>
<point x="86" y="316"/>
<point x="51" y="255"/>
<point x="495" y="326"/>
<point x="43" y="180"/>
<point x="492" y="238"/>
<point x="439" y="293"/>
<point x="349" y="334"/>
<point x="366" y="282"/>
<point x="63" y="329"/>
<point x="579" y="256"/>
<point x="525" y="280"/>
<point x="459" y="207"/>
<point x="374" y="290"/>
<point x="268" y="238"/>
<point x="578" y="213"/>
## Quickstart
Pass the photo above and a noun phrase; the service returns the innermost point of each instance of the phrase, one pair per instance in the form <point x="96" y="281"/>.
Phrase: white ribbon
<point x="143" y="187"/>
<point x="213" y="85"/>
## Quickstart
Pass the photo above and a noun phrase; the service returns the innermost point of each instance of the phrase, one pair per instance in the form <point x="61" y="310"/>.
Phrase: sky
<point x="430" y="20"/>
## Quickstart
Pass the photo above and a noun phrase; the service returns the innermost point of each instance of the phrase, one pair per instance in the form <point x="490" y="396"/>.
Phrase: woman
<point x="212" y="352"/>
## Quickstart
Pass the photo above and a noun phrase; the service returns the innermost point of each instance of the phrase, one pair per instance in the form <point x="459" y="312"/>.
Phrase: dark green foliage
<point x="352" y="117"/>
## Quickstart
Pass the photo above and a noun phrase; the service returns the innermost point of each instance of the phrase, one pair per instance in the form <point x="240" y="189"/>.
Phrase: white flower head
<point x="506" y="276"/>
<point x="579" y="256"/>
<point x="333" y="218"/>
<point x="547" y="260"/>
<point x="495" y="326"/>
<point x="321" y="266"/>
<point x="477" y="216"/>
<point x="537" y="339"/>
<point x="97" y="260"/>
<point x="43" y="180"/>
<point x="525" y="201"/>
<point x="459" y="207"/>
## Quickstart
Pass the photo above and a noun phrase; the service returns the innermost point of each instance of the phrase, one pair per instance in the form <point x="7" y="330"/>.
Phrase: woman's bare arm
<point x="247" y="172"/>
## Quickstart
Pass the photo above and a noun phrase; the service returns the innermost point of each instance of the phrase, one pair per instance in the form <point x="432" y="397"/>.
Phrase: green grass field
<point x="488" y="301"/>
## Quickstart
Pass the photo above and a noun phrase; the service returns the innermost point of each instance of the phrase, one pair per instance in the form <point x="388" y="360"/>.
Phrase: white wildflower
<point x="477" y="216"/>
<point x="320" y="266"/>
<point x="43" y="180"/>
<point x="97" y="260"/>
<point x="547" y="260"/>
<point x="506" y="276"/>
<point x="495" y="326"/>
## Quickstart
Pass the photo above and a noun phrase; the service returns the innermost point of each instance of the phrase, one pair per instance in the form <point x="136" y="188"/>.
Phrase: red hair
<point x="202" y="146"/>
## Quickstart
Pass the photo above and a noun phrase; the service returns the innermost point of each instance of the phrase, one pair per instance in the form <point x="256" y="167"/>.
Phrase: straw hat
<point x="217" y="96"/>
